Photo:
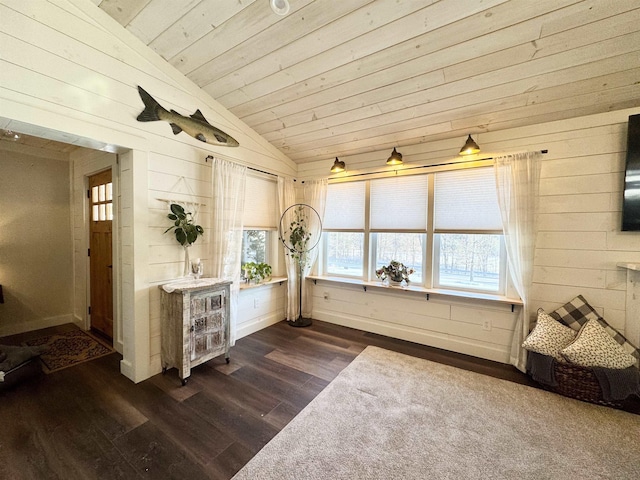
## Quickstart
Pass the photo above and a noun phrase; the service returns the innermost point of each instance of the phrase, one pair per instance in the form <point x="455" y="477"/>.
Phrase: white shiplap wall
<point x="579" y="241"/>
<point x="66" y="67"/>
<point x="259" y="307"/>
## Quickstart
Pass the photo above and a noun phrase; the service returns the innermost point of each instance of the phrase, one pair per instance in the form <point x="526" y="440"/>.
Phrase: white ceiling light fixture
<point x="280" y="7"/>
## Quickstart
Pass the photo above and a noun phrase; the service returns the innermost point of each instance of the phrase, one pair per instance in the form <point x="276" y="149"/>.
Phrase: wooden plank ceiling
<point x="335" y="78"/>
<point x="12" y="140"/>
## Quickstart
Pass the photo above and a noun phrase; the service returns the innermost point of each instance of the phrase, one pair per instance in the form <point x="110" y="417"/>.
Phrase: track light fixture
<point x="470" y="147"/>
<point x="338" y="166"/>
<point x="395" y="158"/>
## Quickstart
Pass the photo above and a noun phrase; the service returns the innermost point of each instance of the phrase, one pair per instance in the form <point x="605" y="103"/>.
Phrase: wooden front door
<point x="100" y="253"/>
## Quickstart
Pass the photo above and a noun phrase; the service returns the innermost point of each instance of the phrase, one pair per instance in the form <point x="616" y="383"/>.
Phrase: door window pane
<point x="345" y="253"/>
<point x="407" y="248"/>
<point x="102" y="202"/>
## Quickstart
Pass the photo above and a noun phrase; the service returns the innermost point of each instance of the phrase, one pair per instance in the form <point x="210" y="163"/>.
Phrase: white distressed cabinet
<point x="195" y="323"/>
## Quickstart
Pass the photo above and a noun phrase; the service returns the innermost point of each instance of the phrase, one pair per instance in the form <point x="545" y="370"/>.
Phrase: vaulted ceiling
<point x="334" y="78"/>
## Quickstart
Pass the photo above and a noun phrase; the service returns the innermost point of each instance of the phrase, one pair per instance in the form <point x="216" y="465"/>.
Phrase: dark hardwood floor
<point x="89" y="421"/>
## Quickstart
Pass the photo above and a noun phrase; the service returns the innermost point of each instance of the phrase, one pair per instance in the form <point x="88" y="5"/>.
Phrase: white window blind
<point x="345" y="206"/>
<point x="399" y="203"/>
<point x="260" y="203"/>
<point x="466" y="200"/>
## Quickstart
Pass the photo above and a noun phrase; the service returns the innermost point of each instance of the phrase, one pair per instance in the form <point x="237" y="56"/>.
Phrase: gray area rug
<point x="392" y="416"/>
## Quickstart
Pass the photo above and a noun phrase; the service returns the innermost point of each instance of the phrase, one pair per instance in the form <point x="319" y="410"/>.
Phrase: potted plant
<point x="184" y="229"/>
<point x="395" y="272"/>
<point x="299" y="238"/>
<point x="256" y="272"/>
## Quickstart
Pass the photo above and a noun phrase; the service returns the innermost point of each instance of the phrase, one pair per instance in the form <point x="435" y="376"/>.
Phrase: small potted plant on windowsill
<point x="395" y="273"/>
<point x="256" y="272"/>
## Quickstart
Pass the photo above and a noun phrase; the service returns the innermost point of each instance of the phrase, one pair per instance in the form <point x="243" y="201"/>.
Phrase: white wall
<point x="69" y="70"/>
<point x="260" y="306"/>
<point x="579" y="241"/>
<point x="36" y="249"/>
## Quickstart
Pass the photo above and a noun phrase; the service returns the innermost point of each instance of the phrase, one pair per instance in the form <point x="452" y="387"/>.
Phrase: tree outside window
<point x="255" y="246"/>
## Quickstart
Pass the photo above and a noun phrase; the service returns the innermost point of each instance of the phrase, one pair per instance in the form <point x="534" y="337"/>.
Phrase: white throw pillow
<point x="594" y="347"/>
<point x="549" y="337"/>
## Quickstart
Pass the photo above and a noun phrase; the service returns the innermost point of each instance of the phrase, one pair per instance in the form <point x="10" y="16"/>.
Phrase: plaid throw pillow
<point x="578" y="312"/>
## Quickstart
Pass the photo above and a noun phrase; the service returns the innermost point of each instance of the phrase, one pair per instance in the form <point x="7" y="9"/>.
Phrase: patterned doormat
<point x="68" y="349"/>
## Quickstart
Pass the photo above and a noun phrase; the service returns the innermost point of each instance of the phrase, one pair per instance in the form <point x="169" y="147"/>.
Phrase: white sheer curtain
<point x="517" y="181"/>
<point x="286" y="198"/>
<point x="228" y="183"/>
<point x="315" y="195"/>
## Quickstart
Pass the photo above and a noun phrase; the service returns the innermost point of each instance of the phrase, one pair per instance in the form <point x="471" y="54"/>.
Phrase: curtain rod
<point x="425" y="166"/>
<point x="210" y="157"/>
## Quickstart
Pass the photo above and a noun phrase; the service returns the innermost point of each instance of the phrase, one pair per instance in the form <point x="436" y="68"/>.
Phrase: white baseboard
<point x="423" y="337"/>
<point x="127" y="370"/>
<point x="256" y="324"/>
<point x="36" y="324"/>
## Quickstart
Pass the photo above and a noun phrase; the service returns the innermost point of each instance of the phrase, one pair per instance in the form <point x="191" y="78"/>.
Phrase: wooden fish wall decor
<point x="195" y="125"/>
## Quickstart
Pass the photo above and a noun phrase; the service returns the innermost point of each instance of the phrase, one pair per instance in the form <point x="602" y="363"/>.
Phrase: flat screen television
<point x="631" y="199"/>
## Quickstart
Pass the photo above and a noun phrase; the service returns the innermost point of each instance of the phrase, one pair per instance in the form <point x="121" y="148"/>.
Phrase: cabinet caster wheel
<point x="164" y="370"/>
<point x="184" y="382"/>
<point x="227" y="360"/>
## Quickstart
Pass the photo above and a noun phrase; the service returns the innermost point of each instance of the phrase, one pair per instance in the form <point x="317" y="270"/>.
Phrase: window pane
<point x="467" y="200"/>
<point x="261" y="203"/>
<point x="406" y="248"/>
<point x="109" y="191"/>
<point x="406" y="197"/>
<point x="345" y="253"/>
<point x="101" y="192"/>
<point x="470" y="261"/>
<point x="254" y="246"/>
<point x="345" y="206"/>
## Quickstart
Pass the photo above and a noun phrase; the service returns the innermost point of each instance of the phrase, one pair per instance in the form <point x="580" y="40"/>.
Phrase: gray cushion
<point x="18" y="355"/>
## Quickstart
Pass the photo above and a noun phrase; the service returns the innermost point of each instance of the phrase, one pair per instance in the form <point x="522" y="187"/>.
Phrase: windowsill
<point x="427" y="291"/>
<point x="247" y="286"/>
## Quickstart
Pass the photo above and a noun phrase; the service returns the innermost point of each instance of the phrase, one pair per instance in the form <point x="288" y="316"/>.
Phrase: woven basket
<point x="580" y="383"/>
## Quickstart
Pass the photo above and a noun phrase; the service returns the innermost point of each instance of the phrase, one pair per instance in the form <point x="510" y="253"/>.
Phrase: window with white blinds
<point x="450" y="236"/>
<point x="466" y="201"/>
<point x="399" y="203"/>
<point x="345" y="206"/>
<point x="260" y="203"/>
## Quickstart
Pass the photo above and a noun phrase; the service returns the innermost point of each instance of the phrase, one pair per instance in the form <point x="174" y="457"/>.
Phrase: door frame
<point x="118" y="343"/>
<point x="132" y="284"/>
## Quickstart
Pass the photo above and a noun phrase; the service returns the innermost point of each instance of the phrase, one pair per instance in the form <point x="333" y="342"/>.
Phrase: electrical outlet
<point x="256" y="303"/>
<point x="486" y="325"/>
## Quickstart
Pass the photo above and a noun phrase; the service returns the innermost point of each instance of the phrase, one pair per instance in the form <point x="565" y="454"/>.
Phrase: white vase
<point x="187" y="263"/>
<point x="393" y="283"/>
